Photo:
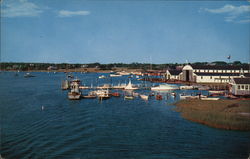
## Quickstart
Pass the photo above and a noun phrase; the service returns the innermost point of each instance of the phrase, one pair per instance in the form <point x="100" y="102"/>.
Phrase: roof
<point x="247" y="74"/>
<point x="187" y="67"/>
<point x="222" y="67"/>
<point x="242" y="80"/>
<point x="216" y="74"/>
<point x="174" y="72"/>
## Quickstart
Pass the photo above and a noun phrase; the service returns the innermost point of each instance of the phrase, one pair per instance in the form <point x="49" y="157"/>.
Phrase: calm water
<point x="115" y="128"/>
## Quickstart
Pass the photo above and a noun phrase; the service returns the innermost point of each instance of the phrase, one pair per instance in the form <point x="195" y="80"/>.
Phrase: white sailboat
<point x="130" y="86"/>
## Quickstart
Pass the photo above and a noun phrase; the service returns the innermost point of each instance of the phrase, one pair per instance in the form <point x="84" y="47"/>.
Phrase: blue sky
<point x="78" y="31"/>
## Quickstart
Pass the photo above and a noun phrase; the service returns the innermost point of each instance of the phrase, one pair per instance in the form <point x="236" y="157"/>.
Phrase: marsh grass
<point x="224" y="114"/>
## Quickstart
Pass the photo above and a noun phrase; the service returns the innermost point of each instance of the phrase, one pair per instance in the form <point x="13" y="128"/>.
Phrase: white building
<point x="208" y="73"/>
<point x="240" y="86"/>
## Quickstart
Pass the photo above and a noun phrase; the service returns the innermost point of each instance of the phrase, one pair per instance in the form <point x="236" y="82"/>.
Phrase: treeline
<point x="134" y="65"/>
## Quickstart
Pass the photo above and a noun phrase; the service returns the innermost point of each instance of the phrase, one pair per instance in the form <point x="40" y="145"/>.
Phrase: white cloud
<point x="66" y="13"/>
<point x="230" y="9"/>
<point x="233" y="13"/>
<point x="244" y="21"/>
<point x="20" y="8"/>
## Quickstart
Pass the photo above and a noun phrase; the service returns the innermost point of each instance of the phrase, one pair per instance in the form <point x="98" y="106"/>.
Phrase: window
<point x="242" y="87"/>
<point x="201" y="77"/>
<point x="238" y="86"/>
<point x="211" y="77"/>
<point x="246" y="87"/>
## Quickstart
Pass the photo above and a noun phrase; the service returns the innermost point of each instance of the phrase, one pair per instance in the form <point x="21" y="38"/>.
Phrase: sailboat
<point x="130" y="86"/>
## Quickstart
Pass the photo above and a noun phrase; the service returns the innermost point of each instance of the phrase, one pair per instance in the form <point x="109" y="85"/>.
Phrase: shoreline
<point x="86" y="70"/>
<point x="221" y="114"/>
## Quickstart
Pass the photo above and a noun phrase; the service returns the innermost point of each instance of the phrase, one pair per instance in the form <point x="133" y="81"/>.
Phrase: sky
<point x="145" y="31"/>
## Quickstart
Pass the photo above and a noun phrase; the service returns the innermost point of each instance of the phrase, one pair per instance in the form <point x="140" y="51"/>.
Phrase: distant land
<point x="96" y="67"/>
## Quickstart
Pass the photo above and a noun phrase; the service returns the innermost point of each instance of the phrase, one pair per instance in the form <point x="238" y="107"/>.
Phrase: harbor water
<point x="38" y="121"/>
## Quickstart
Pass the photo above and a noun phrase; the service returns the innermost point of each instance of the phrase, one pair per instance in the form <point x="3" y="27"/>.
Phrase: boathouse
<point x="208" y="73"/>
<point x="240" y="86"/>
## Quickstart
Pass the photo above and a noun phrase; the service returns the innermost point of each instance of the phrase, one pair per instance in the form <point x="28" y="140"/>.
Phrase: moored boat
<point x="143" y="96"/>
<point x="74" y="93"/>
<point x="102" y="77"/>
<point x="210" y="98"/>
<point x="128" y="97"/>
<point x="115" y="75"/>
<point x="130" y="86"/>
<point x="116" y="94"/>
<point x="91" y="95"/>
<point x="27" y="75"/>
<point x="102" y="94"/>
<point x="163" y="87"/>
<point x="158" y="97"/>
<point x="186" y="87"/>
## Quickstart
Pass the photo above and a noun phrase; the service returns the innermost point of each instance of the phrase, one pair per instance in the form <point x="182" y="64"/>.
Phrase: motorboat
<point x="158" y="97"/>
<point x="90" y="95"/>
<point x="143" y="96"/>
<point x="210" y="98"/>
<point x="183" y="96"/>
<point x="102" y="77"/>
<point x="115" y="75"/>
<point x="116" y="94"/>
<point x="187" y="87"/>
<point x="163" y="87"/>
<point x="123" y="73"/>
<point x="27" y="75"/>
<point x="74" y="93"/>
<point x="216" y="93"/>
<point x="102" y="94"/>
<point x="128" y="97"/>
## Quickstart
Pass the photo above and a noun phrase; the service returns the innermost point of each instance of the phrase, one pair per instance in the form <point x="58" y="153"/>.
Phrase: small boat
<point x="158" y="97"/>
<point x="115" y="75"/>
<point x="145" y="97"/>
<point x="130" y="86"/>
<point x="210" y="98"/>
<point x="216" y="93"/>
<point x="91" y="95"/>
<point x="135" y="94"/>
<point x="70" y="76"/>
<point x="116" y="94"/>
<point x="163" y="87"/>
<point x="187" y="87"/>
<point x="182" y="96"/>
<point x="102" y="94"/>
<point x="102" y="77"/>
<point x="173" y="94"/>
<point x="74" y="93"/>
<point x="128" y="97"/>
<point x="27" y="75"/>
<point x="123" y="73"/>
